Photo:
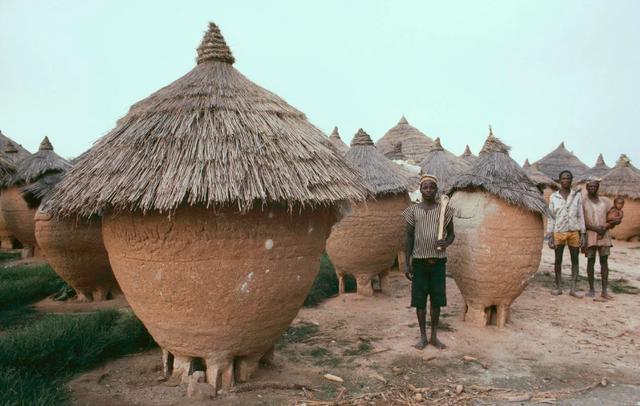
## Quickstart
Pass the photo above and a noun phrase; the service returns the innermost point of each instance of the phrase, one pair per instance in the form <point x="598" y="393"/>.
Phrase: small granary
<point x="73" y="248"/>
<point x="546" y="185"/>
<point x="623" y="181"/>
<point x="14" y="151"/>
<point x="337" y="141"/>
<point x="443" y="165"/>
<point x="413" y="144"/>
<point x="13" y="154"/>
<point x="7" y="171"/>
<point x="499" y="234"/>
<point x="558" y="160"/>
<point x="599" y="170"/>
<point x="468" y="156"/>
<point x="18" y="215"/>
<point x="218" y="198"/>
<point x="365" y="243"/>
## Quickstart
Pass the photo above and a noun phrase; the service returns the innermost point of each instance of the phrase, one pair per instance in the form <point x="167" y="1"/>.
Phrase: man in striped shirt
<point x="427" y="271"/>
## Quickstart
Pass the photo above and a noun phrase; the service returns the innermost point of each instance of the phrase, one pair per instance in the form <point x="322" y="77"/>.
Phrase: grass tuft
<point x="297" y="333"/>
<point x="27" y="284"/>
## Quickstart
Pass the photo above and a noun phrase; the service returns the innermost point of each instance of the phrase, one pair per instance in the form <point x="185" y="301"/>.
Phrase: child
<point x="615" y="213"/>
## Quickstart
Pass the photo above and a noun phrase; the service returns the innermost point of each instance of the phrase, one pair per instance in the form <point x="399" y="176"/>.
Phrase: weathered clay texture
<point x="18" y="218"/>
<point x="75" y="250"/>
<point x="546" y="195"/>
<point x="630" y="226"/>
<point x="219" y="286"/>
<point x="6" y="239"/>
<point x="497" y="249"/>
<point x="366" y="242"/>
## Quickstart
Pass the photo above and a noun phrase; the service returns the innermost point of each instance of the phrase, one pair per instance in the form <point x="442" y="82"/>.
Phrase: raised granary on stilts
<point x="558" y="160"/>
<point x="18" y="214"/>
<point x="468" y="156"/>
<point x="499" y="234"/>
<point x="443" y="165"/>
<point x="337" y="141"/>
<point x="414" y="144"/>
<point x="366" y="242"/>
<point x="623" y="181"/>
<point x="218" y="198"/>
<point x="599" y="170"/>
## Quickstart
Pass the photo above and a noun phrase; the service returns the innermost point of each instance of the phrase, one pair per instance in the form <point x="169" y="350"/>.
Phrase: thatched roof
<point x="443" y="164"/>
<point x="7" y="169"/>
<point x="36" y="192"/>
<point x="467" y="155"/>
<point x="211" y="138"/>
<point x="42" y="163"/>
<point x="381" y="176"/>
<point x="497" y="173"/>
<point x="538" y="178"/>
<point x="12" y="150"/>
<point x="414" y="144"/>
<point x="622" y="180"/>
<point x="337" y="141"/>
<point x="558" y="160"/>
<point x="600" y="169"/>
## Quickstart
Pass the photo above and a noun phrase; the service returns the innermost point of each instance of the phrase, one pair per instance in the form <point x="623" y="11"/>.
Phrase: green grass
<point x="37" y="359"/>
<point x="362" y="348"/>
<point x="622" y="285"/>
<point x="326" y="284"/>
<point x="9" y="256"/>
<point x="27" y="284"/>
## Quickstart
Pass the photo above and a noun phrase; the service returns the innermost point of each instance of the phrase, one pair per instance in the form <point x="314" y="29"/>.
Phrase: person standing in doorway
<point x="566" y="227"/>
<point x="426" y="257"/>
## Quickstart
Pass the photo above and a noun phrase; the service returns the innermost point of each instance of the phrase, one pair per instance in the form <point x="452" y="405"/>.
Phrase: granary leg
<point x="477" y="316"/>
<point x="384" y="281"/>
<point x="245" y="367"/>
<point x="401" y="261"/>
<point x="364" y="285"/>
<point x="268" y="356"/>
<point x="340" y="282"/>
<point x="502" y="315"/>
<point x="6" y="243"/>
<point x="167" y="363"/>
<point x="27" y="252"/>
<point x="219" y="373"/>
<point x="100" y="294"/>
<point x="82" y="297"/>
<point x="181" y="366"/>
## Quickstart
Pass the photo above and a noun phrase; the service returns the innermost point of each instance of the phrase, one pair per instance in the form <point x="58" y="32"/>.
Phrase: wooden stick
<point x="444" y="202"/>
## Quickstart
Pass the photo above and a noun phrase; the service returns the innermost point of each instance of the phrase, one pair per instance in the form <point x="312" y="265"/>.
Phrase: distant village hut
<point x="499" y="234"/>
<point x="443" y="165"/>
<point x="413" y="143"/>
<point x="365" y="243"/>
<point x="599" y="170"/>
<point x="218" y="198"/>
<point x="546" y="185"/>
<point x="623" y="181"/>
<point x="468" y="156"/>
<point x="11" y="153"/>
<point x="558" y="160"/>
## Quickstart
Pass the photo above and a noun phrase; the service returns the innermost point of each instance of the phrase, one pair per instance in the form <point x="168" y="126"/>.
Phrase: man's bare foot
<point x="422" y="343"/>
<point x="606" y="296"/>
<point x="590" y="293"/>
<point x="575" y="294"/>
<point x="556" y="292"/>
<point x="437" y="343"/>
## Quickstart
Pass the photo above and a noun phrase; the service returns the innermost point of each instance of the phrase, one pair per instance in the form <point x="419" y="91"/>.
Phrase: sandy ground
<point x="555" y="350"/>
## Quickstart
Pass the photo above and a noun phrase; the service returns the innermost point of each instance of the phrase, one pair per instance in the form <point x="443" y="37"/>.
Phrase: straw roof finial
<point x="493" y="144"/>
<point x="403" y="120"/>
<point x="623" y="161"/>
<point x="45" y="145"/>
<point x="490" y="131"/>
<point x="436" y="146"/>
<point x="526" y="164"/>
<point x="562" y="145"/>
<point x="600" y="160"/>
<point x="467" y="150"/>
<point x="213" y="47"/>
<point x="335" y="132"/>
<point x="9" y="148"/>
<point x="361" y="138"/>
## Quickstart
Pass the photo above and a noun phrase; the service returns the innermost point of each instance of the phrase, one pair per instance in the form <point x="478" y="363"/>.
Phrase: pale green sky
<point x="539" y="71"/>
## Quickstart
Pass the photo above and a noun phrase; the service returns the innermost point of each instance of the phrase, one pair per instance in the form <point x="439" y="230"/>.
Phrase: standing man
<point x="598" y="241"/>
<point x="427" y="271"/>
<point x="567" y="228"/>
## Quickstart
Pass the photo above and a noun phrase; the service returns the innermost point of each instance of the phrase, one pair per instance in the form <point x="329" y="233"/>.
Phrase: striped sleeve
<point x="409" y="215"/>
<point x="449" y="212"/>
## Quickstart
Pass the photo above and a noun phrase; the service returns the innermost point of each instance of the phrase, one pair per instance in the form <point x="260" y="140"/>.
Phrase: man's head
<point x="619" y="202"/>
<point x="592" y="187"/>
<point x="428" y="187"/>
<point x="566" y="178"/>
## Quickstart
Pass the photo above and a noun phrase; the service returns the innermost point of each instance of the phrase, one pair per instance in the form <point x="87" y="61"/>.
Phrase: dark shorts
<point x="429" y="279"/>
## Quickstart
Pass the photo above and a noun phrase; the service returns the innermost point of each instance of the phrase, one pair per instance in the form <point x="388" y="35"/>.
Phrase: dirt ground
<point x="555" y="350"/>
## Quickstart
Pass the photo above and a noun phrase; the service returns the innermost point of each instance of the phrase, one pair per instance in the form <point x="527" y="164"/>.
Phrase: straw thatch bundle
<point x="599" y="170"/>
<point x="442" y="164"/>
<point x="414" y="145"/>
<point x="252" y="189"/>
<point x="558" y="160"/>
<point x="365" y="243"/>
<point x="7" y="170"/>
<point x="623" y="181"/>
<point x="17" y="212"/>
<point x="12" y="150"/>
<point x="337" y="141"/>
<point x="542" y="181"/>
<point x="468" y="156"/>
<point x="498" y="234"/>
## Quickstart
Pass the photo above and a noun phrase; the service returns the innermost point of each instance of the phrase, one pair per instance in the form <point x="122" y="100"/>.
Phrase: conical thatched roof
<point x="43" y="162"/>
<point x="414" y="145"/>
<point x="538" y="178"/>
<point x="11" y="149"/>
<point x="622" y="180"/>
<point x="443" y="164"/>
<point x="36" y="192"/>
<point x="337" y="141"/>
<point x="210" y="138"/>
<point x="381" y="176"/>
<point x="600" y="169"/>
<point x="558" y="160"/>
<point x="7" y="169"/>
<point x="497" y="173"/>
<point x="467" y="155"/>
